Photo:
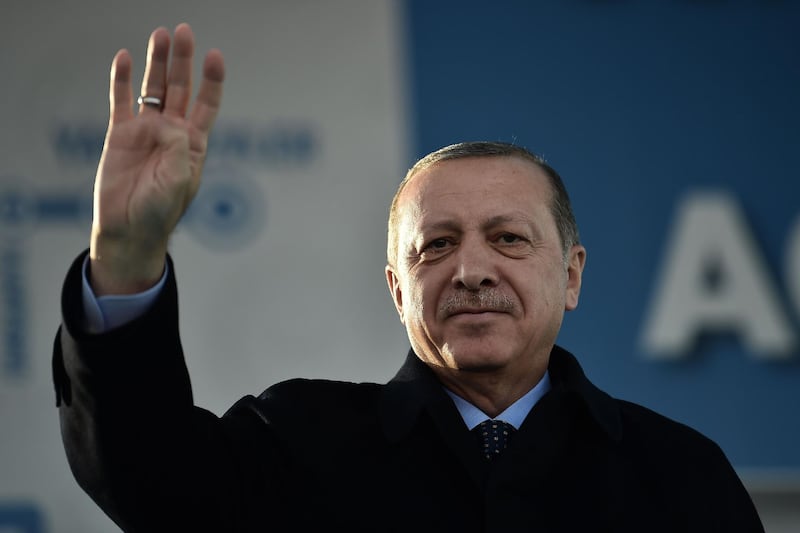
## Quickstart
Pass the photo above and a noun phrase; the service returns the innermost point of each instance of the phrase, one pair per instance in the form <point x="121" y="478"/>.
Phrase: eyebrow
<point x="444" y="225"/>
<point x="493" y="222"/>
<point x="499" y="220"/>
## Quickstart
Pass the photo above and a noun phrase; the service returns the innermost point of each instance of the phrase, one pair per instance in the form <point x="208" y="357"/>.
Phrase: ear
<point x="575" y="263"/>
<point x="394" y="288"/>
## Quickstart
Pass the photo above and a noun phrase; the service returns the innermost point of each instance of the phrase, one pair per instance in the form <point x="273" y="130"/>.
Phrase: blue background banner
<point x="643" y="106"/>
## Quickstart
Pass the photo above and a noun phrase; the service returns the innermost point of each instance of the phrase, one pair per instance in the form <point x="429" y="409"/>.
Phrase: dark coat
<point x="314" y="455"/>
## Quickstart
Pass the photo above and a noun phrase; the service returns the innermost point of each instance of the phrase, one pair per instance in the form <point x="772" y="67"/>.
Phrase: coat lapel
<point x="415" y="393"/>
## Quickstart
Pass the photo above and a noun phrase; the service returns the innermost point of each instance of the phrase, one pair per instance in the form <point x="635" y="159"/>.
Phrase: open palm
<point x="152" y="161"/>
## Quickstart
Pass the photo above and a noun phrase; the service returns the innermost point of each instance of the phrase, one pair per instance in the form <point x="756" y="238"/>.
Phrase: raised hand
<point x="151" y="164"/>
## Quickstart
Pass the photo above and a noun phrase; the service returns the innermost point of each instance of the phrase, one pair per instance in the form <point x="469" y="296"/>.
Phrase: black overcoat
<point x="314" y="455"/>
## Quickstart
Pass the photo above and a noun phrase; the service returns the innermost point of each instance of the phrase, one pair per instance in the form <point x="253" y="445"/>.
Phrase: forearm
<point x="134" y="440"/>
<point x="125" y="397"/>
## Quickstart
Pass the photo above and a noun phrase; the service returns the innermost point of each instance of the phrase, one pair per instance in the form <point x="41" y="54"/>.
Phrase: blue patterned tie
<point x="493" y="437"/>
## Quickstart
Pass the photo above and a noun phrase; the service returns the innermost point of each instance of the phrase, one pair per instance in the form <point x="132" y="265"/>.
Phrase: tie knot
<point x="493" y="436"/>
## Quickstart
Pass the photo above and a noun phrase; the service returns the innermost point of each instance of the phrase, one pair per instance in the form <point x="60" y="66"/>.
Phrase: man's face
<point x="481" y="283"/>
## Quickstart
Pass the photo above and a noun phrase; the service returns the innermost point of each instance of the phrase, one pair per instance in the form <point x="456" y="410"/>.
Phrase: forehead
<point x="476" y="185"/>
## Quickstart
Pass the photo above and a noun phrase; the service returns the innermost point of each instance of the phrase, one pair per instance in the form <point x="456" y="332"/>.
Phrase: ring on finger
<point x="150" y="101"/>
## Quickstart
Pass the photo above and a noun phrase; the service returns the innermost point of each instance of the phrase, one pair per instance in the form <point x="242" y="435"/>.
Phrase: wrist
<point x="124" y="268"/>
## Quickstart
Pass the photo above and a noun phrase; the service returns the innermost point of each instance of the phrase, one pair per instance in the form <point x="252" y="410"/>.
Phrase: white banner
<point x="279" y="263"/>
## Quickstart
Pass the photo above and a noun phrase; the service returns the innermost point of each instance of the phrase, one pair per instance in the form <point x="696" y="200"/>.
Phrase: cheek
<point x="540" y="290"/>
<point x="422" y="298"/>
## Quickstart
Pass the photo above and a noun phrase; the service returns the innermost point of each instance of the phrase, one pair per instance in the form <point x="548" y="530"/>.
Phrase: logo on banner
<point x="228" y="213"/>
<point x="229" y="210"/>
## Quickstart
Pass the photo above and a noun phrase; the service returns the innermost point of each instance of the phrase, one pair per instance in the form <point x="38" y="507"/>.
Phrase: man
<point x="483" y="260"/>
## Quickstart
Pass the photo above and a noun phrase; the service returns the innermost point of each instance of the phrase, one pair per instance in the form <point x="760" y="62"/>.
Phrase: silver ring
<point x="151" y="101"/>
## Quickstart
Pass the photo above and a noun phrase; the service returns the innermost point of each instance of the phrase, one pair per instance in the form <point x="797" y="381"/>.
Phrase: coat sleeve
<point x="133" y="438"/>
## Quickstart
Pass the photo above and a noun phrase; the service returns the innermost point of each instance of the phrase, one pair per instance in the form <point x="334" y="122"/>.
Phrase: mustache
<point x="476" y="301"/>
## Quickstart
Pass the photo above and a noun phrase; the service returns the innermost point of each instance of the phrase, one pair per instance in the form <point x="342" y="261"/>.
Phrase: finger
<point x="209" y="97"/>
<point x="179" y="81"/>
<point x="120" y="93"/>
<point x="155" y="71"/>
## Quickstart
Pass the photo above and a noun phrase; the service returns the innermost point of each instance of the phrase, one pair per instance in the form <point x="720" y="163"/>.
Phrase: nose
<point x="475" y="266"/>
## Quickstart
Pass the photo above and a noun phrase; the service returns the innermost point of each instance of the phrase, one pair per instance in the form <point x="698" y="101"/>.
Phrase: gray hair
<point x="560" y="205"/>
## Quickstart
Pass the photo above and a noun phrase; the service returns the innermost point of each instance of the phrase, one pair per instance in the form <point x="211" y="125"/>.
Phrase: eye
<point x="437" y="248"/>
<point x="509" y="238"/>
<point x="437" y="244"/>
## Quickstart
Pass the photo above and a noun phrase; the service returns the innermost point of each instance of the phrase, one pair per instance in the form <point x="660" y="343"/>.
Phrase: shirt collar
<point x="514" y="414"/>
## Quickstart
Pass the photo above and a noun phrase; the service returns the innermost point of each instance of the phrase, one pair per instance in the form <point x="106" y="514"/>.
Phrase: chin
<point x="478" y="362"/>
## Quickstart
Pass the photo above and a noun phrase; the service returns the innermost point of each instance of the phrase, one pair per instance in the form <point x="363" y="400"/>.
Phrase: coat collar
<point x="405" y="396"/>
<point x="566" y="373"/>
<point x="416" y="388"/>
